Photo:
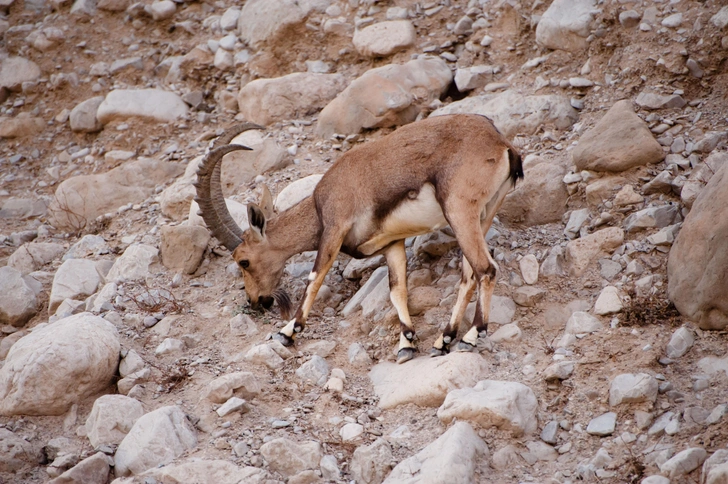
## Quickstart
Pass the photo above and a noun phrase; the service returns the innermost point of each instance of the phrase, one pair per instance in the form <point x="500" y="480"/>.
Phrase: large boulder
<point x="295" y="192"/>
<point x="265" y="101"/>
<point x="80" y="199"/>
<point x="16" y="453"/>
<point x="202" y="472"/>
<point x="451" y="459"/>
<point x="426" y="381"/>
<point x="261" y="21"/>
<point x="18" y="302"/>
<point x="386" y="96"/>
<point x="697" y="268"/>
<point x="32" y="256"/>
<point x="618" y="142"/>
<point x="514" y="113"/>
<point x="566" y="24"/>
<point x="58" y="365"/>
<point x="540" y="198"/>
<point x="156" y="438"/>
<point x="149" y="104"/>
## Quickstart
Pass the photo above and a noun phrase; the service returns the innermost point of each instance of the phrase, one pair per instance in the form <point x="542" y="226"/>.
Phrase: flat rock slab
<point x="451" y="459"/>
<point x="514" y="113"/>
<point x="384" y="38"/>
<point x="18" y="302"/>
<point x="14" y="71"/>
<point x="426" y="381"/>
<point x="204" y="471"/>
<point x="150" y="104"/>
<point x="507" y="405"/>
<point x="57" y="365"/>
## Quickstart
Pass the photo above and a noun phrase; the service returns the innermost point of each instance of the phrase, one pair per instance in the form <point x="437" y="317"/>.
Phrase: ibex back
<point x="443" y="170"/>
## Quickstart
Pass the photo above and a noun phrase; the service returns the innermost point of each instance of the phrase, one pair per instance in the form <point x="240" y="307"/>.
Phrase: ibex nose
<point x="266" y="301"/>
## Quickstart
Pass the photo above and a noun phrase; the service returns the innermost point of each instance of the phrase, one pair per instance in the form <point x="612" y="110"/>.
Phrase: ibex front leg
<point x="328" y="250"/>
<point x="465" y="292"/>
<point x="397" y="263"/>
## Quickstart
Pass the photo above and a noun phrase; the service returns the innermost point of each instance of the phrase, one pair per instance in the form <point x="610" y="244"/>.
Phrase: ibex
<point x="443" y="170"/>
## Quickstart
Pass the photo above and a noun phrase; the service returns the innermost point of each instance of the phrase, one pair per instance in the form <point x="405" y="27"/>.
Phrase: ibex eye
<point x="244" y="264"/>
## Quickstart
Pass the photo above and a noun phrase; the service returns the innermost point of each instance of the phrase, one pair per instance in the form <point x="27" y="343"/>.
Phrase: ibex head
<point x="251" y="249"/>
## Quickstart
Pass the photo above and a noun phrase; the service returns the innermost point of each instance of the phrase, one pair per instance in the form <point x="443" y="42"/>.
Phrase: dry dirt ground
<point x="205" y="308"/>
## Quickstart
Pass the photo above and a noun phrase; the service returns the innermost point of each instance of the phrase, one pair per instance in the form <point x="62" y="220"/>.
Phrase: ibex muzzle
<point x="447" y="170"/>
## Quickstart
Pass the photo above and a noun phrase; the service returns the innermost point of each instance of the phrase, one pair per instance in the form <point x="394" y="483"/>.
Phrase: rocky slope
<point x="128" y="352"/>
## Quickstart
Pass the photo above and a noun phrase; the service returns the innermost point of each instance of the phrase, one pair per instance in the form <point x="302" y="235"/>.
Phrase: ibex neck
<point x="296" y="230"/>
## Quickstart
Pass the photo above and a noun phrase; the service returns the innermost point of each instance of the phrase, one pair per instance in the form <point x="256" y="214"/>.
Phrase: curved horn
<point x="230" y="133"/>
<point x="212" y="203"/>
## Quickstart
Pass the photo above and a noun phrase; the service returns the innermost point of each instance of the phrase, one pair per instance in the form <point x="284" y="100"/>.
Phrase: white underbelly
<point x="412" y="217"/>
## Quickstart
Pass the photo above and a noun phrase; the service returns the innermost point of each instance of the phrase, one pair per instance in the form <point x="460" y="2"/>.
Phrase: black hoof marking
<point x="283" y="339"/>
<point x="437" y="352"/>
<point x="405" y="354"/>
<point x="464" y="347"/>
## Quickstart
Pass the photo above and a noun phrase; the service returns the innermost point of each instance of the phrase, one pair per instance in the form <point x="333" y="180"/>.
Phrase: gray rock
<point x="469" y="78"/>
<point x="603" y="425"/>
<point x="426" y="381"/>
<point x="33" y="256"/>
<point x="264" y="354"/>
<point x="649" y="100"/>
<point x="315" y="370"/>
<point x="684" y="462"/>
<point x="566" y="25"/>
<point x="718" y="462"/>
<point x="515" y="113"/>
<point x="652" y="217"/>
<point x="289" y="458"/>
<point x="502" y="310"/>
<point x="242" y="383"/>
<point x="384" y="38"/>
<point x="83" y="116"/>
<point x="609" y="268"/>
<point x="451" y="458"/>
<point x="358" y="355"/>
<point x="434" y="244"/>
<point x="560" y="370"/>
<point x="350" y="432"/>
<point x="18" y="301"/>
<point x="111" y="418"/>
<point x="262" y="21"/>
<point x="23" y="208"/>
<point x="91" y="470"/>
<point x="375" y="279"/>
<point x="716" y="415"/>
<point x="386" y="96"/>
<point x="356" y="267"/>
<point x="632" y="388"/>
<point x="608" y="302"/>
<point x="297" y="191"/>
<point x="183" y="247"/>
<point x="233" y="404"/>
<point x="57" y="365"/>
<point x="581" y="252"/>
<point x="618" y="142"/>
<point x="541" y="451"/>
<point x="629" y="19"/>
<point x="131" y="363"/>
<point x="156" y="438"/>
<point x="16" y="453"/>
<point x="548" y="434"/>
<point x="134" y="263"/>
<point x="680" y="342"/>
<point x="264" y="101"/>
<point x="699" y="256"/>
<point x="370" y="464"/>
<point x="75" y="279"/>
<point x="507" y="405"/>
<point x="528" y="296"/>
<point x="577" y="218"/>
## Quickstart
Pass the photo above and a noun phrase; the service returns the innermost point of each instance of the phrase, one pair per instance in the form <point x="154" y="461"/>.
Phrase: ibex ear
<point x="266" y="202"/>
<point x="256" y="220"/>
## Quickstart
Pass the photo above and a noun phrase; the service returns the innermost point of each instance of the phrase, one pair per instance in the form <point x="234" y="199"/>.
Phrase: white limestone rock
<point x="451" y="458"/>
<point x="157" y="437"/>
<point x="608" y="302"/>
<point x="75" y="279"/>
<point x="57" y="365"/>
<point x="566" y="24"/>
<point x="149" y="104"/>
<point x="529" y="269"/>
<point x="134" y="263"/>
<point x="384" y="38"/>
<point x="426" y="381"/>
<point x="240" y="383"/>
<point x="507" y="405"/>
<point x="111" y="418"/>
<point x="680" y="342"/>
<point x="18" y="301"/>
<point x="581" y="322"/>
<point x="684" y="462"/>
<point x="370" y="464"/>
<point x="289" y="458"/>
<point x="295" y="192"/>
<point x="632" y="388"/>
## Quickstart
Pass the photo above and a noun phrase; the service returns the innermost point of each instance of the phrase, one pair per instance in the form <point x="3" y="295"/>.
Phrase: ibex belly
<point x="412" y="217"/>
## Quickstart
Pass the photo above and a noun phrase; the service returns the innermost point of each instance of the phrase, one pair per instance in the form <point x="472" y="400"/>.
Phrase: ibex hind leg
<point x="328" y="250"/>
<point x="397" y="263"/>
<point x="470" y="235"/>
<point x="465" y="292"/>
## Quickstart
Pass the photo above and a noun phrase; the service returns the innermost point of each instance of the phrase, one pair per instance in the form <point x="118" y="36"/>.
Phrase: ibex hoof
<point x="464" y="347"/>
<point x="438" y="352"/>
<point x="283" y="339"/>
<point x="405" y="354"/>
